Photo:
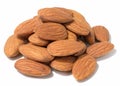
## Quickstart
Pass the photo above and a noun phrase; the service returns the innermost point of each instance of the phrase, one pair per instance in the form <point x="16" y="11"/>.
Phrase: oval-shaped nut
<point x="28" y="27"/>
<point x="52" y="31"/>
<point x="101" y="33"/>
<point x="65" y="47"/>
<point x="90" y="38"/>
<point x="99" y="49"/>
<point x="71" y="35"/>
<point x="55" y="15"/>
<point x="32" y="68"/>
<point x="11" y="46"/>
<point x="34" y="39"/>
<point x="36" y="53"/>
<point x="63" y="63"/>
<point x="79" y="25"/>
<point x="84" y="67"/>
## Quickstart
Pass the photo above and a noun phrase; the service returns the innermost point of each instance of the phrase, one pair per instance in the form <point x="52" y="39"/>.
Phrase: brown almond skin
<point x="90" y="38"/>
<point x="32" y="68"/>
<point x="36" y="53"/>
<point x="59" y="15"/>
<point x="26" y="28"/>
<point x="65" y="47"/>
<point x="99" y="49"/>
<point x="11" y="46"/>
<point x="63" y="63"/>
<point x="81" y="52"/>
<point x="34" y="39"/>
<point x="64" y="10"/>
<point x="71" y="35"/>
<point x="52" y="31"/>
<point x="79" y="25"/>
<point x="84" y="67"/>
<point x="101" y="33"/>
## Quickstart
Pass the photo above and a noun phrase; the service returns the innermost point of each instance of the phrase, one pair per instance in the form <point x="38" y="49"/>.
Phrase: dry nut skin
<point x="36" y="53"/>
<point x="81" y="52"/>
<point x="84" y="67"/>
<point x="63" y="63"/>
<point x="101" y="33"/>
<point x="52" y="31"/>
<point x="99" y="49"/>
<point x="34" y="39"/>
<point x="11" y="46"/>
<point x="65" y="47"/>
<point x="27" y="27"/>
<point x="79" y="25"/>
<point x="90" y="38"/>
<point x="55" y="15"/>
<point x="58" y="38"/>
<point x="71" y="35"/>
<point x="68" y="11"/>
<point x="32" y="68"/>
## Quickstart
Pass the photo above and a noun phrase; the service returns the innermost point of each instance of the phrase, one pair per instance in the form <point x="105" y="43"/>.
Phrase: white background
<point x="97" y="12"/>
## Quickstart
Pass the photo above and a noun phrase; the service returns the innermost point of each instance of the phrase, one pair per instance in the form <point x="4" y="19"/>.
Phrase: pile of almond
<point x="60" y="39"/>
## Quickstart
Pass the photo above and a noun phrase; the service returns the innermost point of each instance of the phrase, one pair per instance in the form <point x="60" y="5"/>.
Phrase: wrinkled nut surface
<point x="34" y="39"/>
<point x="52" y="31"/>
<point x="79" y="25"/>
<point x="59" y="15"/>
<point x="84" y="67"/>
<point x="11" y="46"/>
<point x="36" y="53"/>
<point x="99" y="49"/>
<point x="82" y="51"/>
<point x="32" y="68"/>
<point x="26" y="28"/>
<point x="71" y="35"/>
<point x="65" y="47"/>
<point x="60" y="38"/>
<point x="101" y="33"/>
<point x="63" y="63"/>
<point x="90" y="38"/>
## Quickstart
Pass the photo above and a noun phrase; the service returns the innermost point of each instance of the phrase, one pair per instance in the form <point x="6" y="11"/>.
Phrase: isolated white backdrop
<point x="97" y="12"/>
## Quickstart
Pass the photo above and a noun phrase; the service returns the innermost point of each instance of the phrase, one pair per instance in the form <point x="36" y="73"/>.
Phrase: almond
<point x="27" y="27"/>
<point x="11" y="46"/>
<point x="71" y="35"/>
<point x="52" y="31"/>
<point x="34" y="39"/>
<point x="32" y="68"/>
<point x="84" y="67"/>
<point x="79" y="25"/>
<point x="60" y="38"/>
<point x="36" y="53"/>
<point x="99" y="49"/>
<point x="55" y="15"/>
<point x="63" y="63"/>
<point x="90" y="38"/>
<point x="65" y="47"/>
<point x="101" y="33"/>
